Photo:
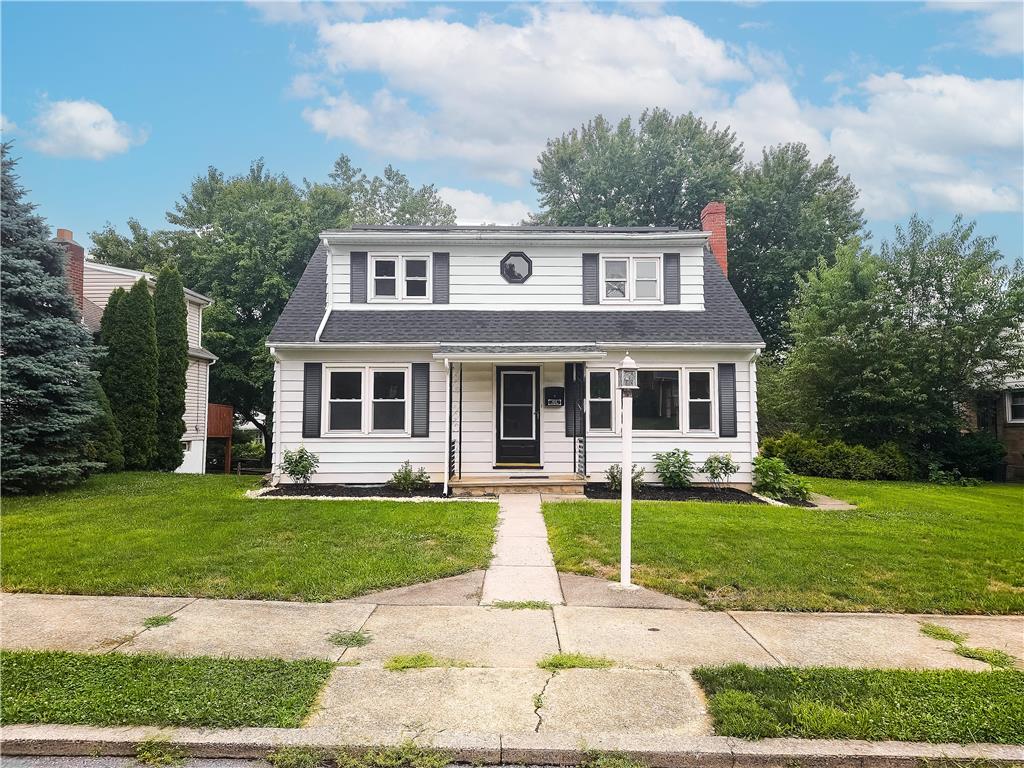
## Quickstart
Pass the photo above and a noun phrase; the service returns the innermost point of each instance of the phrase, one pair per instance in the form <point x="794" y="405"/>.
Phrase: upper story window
<point x="630" y="279"/>
<point x="400" y="277"/>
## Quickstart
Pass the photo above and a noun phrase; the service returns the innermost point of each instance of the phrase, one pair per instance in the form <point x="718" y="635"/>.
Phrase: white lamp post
<point x="627" y="385"/>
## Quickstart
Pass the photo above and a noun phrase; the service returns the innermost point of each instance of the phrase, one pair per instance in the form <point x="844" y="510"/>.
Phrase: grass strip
<point x="557" y="661"/>
<point x="941" y="706"/>
<point x="420" y="661"/>
<point x="146" y="689"/>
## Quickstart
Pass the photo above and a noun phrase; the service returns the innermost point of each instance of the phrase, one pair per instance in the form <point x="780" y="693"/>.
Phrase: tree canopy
<point x="245" y="241"/>
<point x="891" y="346"/>
<point x="45" y="360"/>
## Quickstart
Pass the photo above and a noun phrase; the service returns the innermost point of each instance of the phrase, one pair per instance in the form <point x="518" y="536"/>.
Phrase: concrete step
<point x="486" y="485"/>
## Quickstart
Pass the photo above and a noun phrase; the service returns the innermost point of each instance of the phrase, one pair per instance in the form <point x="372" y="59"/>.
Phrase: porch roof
<point x="519" y="352"/>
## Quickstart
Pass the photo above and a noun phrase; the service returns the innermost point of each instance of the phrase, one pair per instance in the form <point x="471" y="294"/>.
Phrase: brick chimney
<point x="74" y="266"/>
<point x="712" y="219"/>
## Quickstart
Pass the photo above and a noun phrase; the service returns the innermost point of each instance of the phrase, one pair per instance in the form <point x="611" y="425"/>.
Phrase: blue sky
<point x="115" y="107"/>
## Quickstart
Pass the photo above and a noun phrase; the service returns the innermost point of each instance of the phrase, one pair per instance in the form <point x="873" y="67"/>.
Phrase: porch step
<point x="534" y="482"/>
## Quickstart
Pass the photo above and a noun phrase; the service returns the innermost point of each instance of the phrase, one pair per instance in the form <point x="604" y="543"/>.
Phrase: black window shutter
<point x="440" y="278"/>
<point x="421" y="399"/>
<point x="727" y="399"/>
<point x="312" y="385"/>
<point x="357" y="274"/>
<point x="574" y="394"/>
<point x="591" y="289"/>
<point x="670" y="266"/>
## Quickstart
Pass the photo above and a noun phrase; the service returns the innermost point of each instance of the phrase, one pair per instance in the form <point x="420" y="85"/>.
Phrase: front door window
<point x="517" y="406"/>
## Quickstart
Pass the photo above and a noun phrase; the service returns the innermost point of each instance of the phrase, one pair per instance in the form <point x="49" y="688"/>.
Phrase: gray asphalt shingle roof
<point x="723" y="321"/>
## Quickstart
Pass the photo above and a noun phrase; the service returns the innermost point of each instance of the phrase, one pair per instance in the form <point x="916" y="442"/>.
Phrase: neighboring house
<point x="1008" y="424"/>
<point x="92" y="284"/>
<point x="487" y="354"/>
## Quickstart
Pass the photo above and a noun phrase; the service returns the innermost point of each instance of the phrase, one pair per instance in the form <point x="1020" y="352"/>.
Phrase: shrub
<point x="719" y="468"/>
<point x="801" y="454"/>
<point x="941" y="476"/>
<point x="807" y="456"/>
<point x="893" y="463"/>
<point x="614" y="477"/>
<point x="675" y="468"/>
<point x="773" y="479"/>
<point x="300" y="465"/>
<point x="251" y="449"/>
<point x="407" y="480"/>
<point x="974" y="454"/>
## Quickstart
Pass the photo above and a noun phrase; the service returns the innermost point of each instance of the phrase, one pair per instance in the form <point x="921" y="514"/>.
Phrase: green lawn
<point x="909" y="547"/>
<point x="830" y="703"/>
<point x="167" y="534"/>
<point x="128" y="689"/>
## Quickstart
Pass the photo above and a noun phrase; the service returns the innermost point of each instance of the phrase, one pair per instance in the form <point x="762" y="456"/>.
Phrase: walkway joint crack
<point x="539" y="701"/>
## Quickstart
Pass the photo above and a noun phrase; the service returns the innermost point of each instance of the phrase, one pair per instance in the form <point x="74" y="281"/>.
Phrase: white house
<point x="92" y="283"/>
<point x="487" y="353"/>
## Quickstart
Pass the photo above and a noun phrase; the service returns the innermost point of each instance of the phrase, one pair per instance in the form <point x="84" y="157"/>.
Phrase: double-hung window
<point x="396" y="277"/>
<point x="599" y="401"/>
<point x="630" y="279"/>
<point x="1015" y="406"/>
<point x="699" y="411"/>
<point x="367" y="400"/>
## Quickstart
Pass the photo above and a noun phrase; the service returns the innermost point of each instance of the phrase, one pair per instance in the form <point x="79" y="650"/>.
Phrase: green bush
<point x="974" y="454"/>
<point x="675" y="468"/>
<point x="408" y="480"/>
<point x="300" y="465"/>
<point x="614" y="476"/>
<point x="807" y="456"/>
<point x="719" y="468"/>
<point x="940" y="476"/>
<point x="251" y="449"/>
<point x="772" y="478"/>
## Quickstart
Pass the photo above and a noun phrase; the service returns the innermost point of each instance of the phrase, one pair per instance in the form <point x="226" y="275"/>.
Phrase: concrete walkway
<point x="523" y="567"/>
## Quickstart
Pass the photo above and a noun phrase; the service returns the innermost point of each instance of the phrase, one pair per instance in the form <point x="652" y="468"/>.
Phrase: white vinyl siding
<point x="196" y="396"/>
<point x="372" y="459"/>
<point x="476" y="282"/>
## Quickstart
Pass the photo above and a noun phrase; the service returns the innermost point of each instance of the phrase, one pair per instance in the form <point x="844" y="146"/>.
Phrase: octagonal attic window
<point x="516" y="267"/>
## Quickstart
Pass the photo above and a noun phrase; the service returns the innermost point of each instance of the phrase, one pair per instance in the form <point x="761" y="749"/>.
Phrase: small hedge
<point x="837" y="459"/>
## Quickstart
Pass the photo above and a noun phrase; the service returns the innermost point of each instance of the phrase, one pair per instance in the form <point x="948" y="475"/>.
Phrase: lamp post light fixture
<point x="627" y="375"/>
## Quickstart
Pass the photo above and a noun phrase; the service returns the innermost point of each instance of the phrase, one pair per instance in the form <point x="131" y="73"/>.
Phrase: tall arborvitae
<point x="129" y="373"/>
<point x="45" y="356"/>
<point x="172" y="351"/>
<point x="101" y="438"/>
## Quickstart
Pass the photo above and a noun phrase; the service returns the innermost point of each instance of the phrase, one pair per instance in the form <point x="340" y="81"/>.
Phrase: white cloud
<point x="303" y="12"/>
<point x="756" y="25"/>
<point x="478" y="208"/>
<point x="82" y="128"/>
<point x="305" y="85"/>
<point x="998" y="27"/>
<point x="7" y="126"/>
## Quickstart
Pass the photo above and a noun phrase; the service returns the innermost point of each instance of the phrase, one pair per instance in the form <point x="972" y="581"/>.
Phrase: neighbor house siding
<point x="196" y="396"/>
<point x="194" y="322"/>
<point x="475" y="281"/>
<point x="98" y="284"/>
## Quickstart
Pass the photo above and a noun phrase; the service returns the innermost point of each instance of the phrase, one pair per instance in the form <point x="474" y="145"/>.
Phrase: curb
<point x="655" y="751"/>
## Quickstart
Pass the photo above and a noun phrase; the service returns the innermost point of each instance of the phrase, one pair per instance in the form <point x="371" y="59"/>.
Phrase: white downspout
<point x="447" y="419"/>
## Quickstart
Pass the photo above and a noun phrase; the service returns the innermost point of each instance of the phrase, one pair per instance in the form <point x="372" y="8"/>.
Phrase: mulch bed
<point x="338" y="489"/>
<point x="659" y="493"/>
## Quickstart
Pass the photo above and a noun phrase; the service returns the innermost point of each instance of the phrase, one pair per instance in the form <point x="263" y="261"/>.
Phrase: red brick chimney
<point x="712" y="219"/>
<point x="74" y="267"/>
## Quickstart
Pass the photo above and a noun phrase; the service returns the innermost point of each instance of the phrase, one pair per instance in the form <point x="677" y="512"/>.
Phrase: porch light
<point x="628" y="373"/>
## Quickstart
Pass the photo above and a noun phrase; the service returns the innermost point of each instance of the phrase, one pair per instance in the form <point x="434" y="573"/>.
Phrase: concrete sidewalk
<point x="523" y="567"/>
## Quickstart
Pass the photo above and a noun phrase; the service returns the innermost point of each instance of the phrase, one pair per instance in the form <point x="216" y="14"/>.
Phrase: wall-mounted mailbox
<point x="554" y="397"/>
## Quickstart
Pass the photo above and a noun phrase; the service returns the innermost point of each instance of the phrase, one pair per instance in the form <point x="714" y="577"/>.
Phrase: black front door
<point x="518" y="417"/>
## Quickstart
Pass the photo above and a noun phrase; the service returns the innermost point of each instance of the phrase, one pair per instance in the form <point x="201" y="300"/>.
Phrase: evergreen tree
<point x="46" y="354"/>
<point x="172" y="364"/>
<point x="130" y="372"/>
<point x="102" y="439"/>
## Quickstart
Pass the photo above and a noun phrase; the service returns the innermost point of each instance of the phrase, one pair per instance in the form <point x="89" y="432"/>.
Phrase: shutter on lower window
<point x="591" y="289"/>
<point x="727" y="399"/>
<point x="312" y="385"/>
<point x="357" y="274"/>
<point x="440" y="289"/>
<point x="670" y="266"/>
<point x="574" y="391"/>
<point x="421" y="399"/>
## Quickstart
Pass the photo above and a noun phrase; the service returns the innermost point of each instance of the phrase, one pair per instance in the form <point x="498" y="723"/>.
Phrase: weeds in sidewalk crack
<point x="538" y="701"/>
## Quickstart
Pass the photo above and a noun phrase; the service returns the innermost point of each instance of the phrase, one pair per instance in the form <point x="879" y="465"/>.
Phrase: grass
<point x="522" y="605"/>
<point x="406" y="755"/>
<point x="159" y="753"/>
<point x="995" y="658"/>
<point x="157" y="621"/>
<point x="140" y="533"/>
<point x="908" y="547"/>
<point x="145" y="689"/>
<point x="356" y="639"/>
<point x="831" y="703"/>
<point x="937" y="632"/>
<point x="420" y="661"/>
<point x="557" y="661"/>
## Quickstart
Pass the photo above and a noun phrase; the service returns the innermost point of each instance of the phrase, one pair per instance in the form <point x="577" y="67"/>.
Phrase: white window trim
<point x="713" y="399"/>
<point x="631" y="259"/>
<point x="1009" y="406"/>
<point x="613" y="398"/>
<point x="533" y="412"/>
<point x="366" y="418"/>
<point x="400" y="260"/>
